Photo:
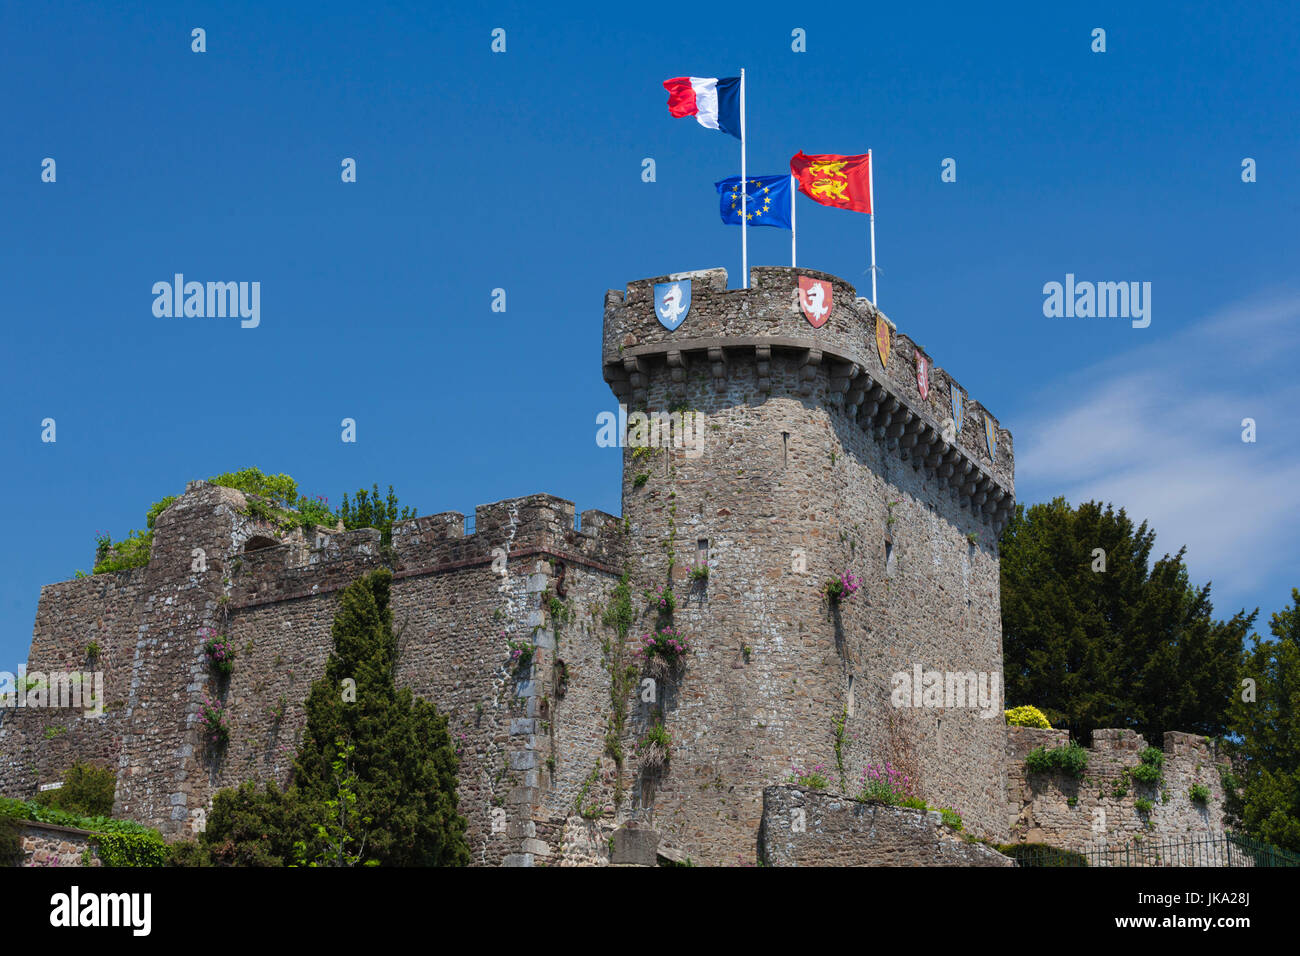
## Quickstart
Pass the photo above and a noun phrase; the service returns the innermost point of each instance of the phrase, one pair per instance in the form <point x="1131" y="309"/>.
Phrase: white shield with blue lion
<point x="672" y="302"/>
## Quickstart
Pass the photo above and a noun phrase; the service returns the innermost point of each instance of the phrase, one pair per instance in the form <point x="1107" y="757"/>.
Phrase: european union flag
<point x="769" y="200"/>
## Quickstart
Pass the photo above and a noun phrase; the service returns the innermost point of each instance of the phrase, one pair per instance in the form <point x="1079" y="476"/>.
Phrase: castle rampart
<point x="458" y="600"/>
<point x="1100" y="808"/>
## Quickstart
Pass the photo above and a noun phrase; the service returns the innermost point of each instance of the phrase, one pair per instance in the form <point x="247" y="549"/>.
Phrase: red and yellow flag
<point x="832" y="180"/>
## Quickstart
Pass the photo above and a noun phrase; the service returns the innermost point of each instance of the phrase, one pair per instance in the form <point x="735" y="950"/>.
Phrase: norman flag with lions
<point x="834" y="180"/>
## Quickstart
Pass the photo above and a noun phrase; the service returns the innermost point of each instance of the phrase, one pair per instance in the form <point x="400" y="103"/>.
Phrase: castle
<point x="830" y="449"/>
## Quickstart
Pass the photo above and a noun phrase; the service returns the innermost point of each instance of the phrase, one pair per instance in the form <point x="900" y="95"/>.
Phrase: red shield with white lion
<point x="815" y="300"/>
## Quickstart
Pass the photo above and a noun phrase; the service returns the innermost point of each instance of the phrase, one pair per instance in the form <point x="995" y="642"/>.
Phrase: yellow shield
<point x="882" y="341"/>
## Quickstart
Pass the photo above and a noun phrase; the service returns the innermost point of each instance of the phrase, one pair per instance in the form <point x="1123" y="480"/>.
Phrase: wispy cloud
<point x="1158" y="431"/>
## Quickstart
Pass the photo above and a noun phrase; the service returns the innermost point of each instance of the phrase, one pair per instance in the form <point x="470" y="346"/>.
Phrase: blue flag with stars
<point x="769" y="200"/>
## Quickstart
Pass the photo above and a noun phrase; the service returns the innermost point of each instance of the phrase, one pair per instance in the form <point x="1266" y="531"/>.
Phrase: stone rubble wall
<point x="809" y="828"/>
<point x="48" y="845"/>
<point x="1104" y="813"/>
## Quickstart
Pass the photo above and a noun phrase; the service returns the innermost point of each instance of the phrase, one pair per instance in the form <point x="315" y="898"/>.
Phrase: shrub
<point x="1142" y="805"/>
<point x="1150" y="770"/>
<point x="951" y="817"/>
<point x="131" y="849"/>
<point x="1199" y="793"/>
<point x="220" y="653"/>
<point x="11" y="841"/>
<point x="213" y="722"/>
<point x="1027" y="716"/>
<point x="521" y="653"/>
<point x="1041" y="854"/>
<point x="655" y="748"/>
<point x="666" y="644"/>
<point x="87" y="790"/>
<point x="640" y="479"/>
<point x="881" y="783"/>
<point x="841" y="588"/>
<point x="1070" y="760"/>
<point x="814" y="779"/>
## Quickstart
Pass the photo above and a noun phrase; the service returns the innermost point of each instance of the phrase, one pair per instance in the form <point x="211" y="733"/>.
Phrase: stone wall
<point x="47" y="845"/>
<point x="1099" y="810"/>
<point x="806" y="828"/>
<point x="527" y="741"/>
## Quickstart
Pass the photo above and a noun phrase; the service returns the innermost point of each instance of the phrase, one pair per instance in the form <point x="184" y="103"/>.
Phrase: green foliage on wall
<point x="276" y="500"/>
<point x="1070" y="760"/>
<point x="120" y="842"/>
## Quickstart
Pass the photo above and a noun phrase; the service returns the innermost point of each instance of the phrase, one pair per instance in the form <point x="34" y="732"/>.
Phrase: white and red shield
<point x="923" y="375"/>
<point x="815" y="300"/>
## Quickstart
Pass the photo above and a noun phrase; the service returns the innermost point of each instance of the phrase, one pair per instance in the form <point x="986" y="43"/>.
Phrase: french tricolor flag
<point x="715" y="103"/>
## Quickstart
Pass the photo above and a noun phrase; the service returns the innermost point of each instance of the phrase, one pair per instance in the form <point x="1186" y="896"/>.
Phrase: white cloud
<point x="1157" y="430"/>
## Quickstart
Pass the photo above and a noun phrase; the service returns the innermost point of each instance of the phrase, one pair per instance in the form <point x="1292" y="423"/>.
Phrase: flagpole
<point x="871" y="197"/>
<point x="793" y="233"/>
<point x="744" y="190"/>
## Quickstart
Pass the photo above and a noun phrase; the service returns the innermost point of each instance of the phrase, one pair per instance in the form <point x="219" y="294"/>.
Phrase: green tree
<point x="402" y="756"/>
<point x="374" y="780"/>
<point x="1133" y="646"/>
<point x="370" y="511"/>
<point x="341" y="836"/>
<point x="1267" y="729"/>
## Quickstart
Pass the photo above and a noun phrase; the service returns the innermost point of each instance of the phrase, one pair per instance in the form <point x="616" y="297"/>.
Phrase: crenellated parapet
<point x="867" y="366"/>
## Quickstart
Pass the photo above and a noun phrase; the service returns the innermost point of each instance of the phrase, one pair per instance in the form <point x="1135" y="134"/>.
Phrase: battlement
<point x="749" y="331"/>
<point x="267" y="562"/>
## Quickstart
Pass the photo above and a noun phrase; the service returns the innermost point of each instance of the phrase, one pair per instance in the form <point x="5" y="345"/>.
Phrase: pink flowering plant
<point x="814" y="778"/>
<point x="665" y="644"/>
<point x="521" y="653"/>
<point x="842" y="588"/>
<point x="882" y="783"/>
<point x="220" y="653"/>
<point x="212" y="718"/>
<point x="660" y="599"/>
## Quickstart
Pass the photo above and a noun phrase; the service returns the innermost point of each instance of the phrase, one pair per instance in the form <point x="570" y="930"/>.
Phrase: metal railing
<point x="1227" y="850"/>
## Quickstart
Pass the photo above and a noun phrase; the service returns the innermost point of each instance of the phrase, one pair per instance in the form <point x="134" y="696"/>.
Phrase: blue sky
<point x="522" y="171"/>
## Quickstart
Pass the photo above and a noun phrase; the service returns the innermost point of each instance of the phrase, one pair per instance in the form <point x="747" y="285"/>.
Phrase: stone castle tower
<point x="817" y="455"/>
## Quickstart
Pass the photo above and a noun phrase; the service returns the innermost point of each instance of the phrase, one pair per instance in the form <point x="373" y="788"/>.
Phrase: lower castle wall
<point x="805" y="828"/>
<point x="1104" y="813"/>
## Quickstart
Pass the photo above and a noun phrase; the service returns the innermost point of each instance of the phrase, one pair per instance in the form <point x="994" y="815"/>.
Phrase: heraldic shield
<point x="882" y="341"/>
<point x="815" y="300"/>
<point x="923" y="376"/>
<point x="672" y="302"/>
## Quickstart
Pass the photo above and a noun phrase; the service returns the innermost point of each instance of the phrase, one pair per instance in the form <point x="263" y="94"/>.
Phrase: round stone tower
<point x="782" y="446"/>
